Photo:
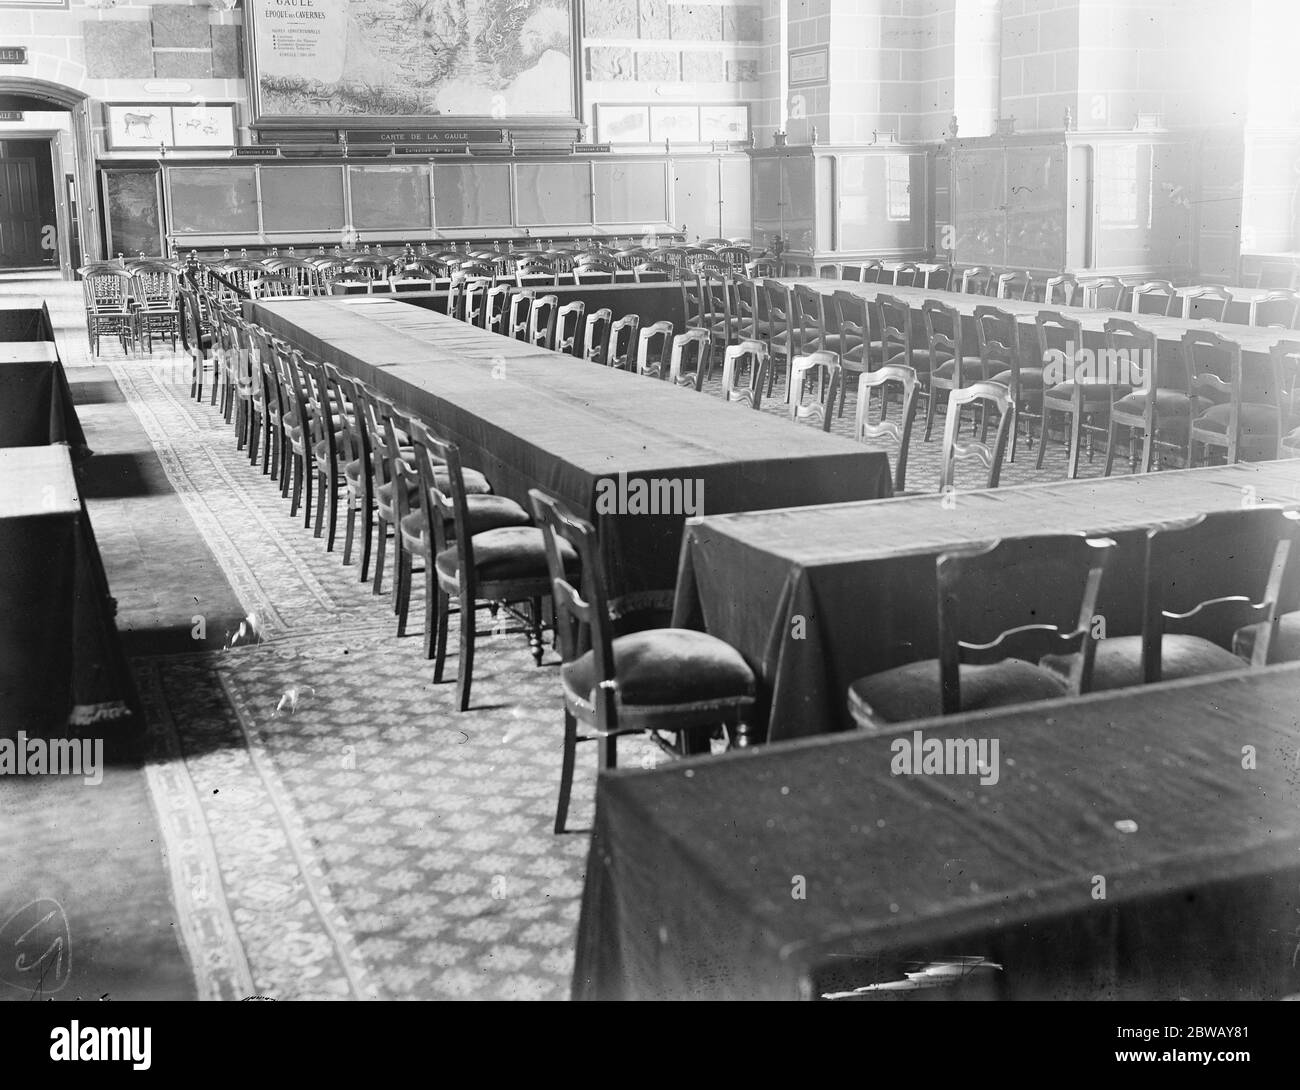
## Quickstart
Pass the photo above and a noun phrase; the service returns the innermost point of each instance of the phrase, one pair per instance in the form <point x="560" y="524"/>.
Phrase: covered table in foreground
<point x="1135" y="845"/>
<point x="61" y="664"/>
<point x="36" y="405"/>
<point x="25" y="318"/>
<point x="817" y="597"/>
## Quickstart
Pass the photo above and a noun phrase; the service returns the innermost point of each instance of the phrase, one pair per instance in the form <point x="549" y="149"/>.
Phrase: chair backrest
<point x="1065" y="285"/>
<point x="542" y="321"/>
<point x="654" y="343"/>
<point x="998" y="333"/>
<point x="976" y="279"/>
<point x="581" y="612"/>
<point x="897" y="431"/>
<point x="156" y="284"/>
<point x="1213" y="574"/>
<point x="1214" y="365"/>
<point x="751" y="354"/>
<point x="1103" y="293"/>
<point x="689" y="360"/>
<point x="780" y="312"/>
<point x="595" y="337"/>
<point x="623" y="342"/>
<point x="1059" y="338"/>
<point x="518" y="310"/>
<point x="716" y="293"/>
<point x="737" y="257"/>
<point x="692" y="299"/>
<point x="568" y="327"/>
<point x="654" y="272"/>
<point x="894" y="329"/>
<point x="750" y="309"/>
<point x="1209" y="301"/>
<point x="442" y="498"/>
<point x="1020" y="598"/>
<point x="943" y="334"/>
<point x="594" y="270"/>
<point x="850" y="313"/>
<point x="992" y="395"/>
<point x="823" y="367"/>
<point x="1277" y="308"/>
<point x="809" y="327"/>
<point x="1014" y="285"/>
<point x="1131" y="352"/>
<point x="536" y="271"/>
<point x="1285" y="358"/>
<point x="495" y="301"/>
<point x="476" y="289"/>
<point x="871" y="272"/>
<point x="107" y="290"/>
<point x="908" y="275"/>
<point x="1154" y="297"/>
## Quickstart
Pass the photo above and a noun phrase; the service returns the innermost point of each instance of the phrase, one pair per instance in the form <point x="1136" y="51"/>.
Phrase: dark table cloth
<point x="36" y="404"/>
<point x="61" y="664"/>
<point x="695" y="868"/>
<point x="530" y="418"/>
<point x="815" y="598"/>
<point x="25" y="318"/>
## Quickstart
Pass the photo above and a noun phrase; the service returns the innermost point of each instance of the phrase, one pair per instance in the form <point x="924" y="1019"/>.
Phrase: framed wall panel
<point x="471" y="195"/>
<point x="133" y="212"/>
<point x="631" y="192"/>
<point x="552" y="193"/>
<point x="213" y="200"/>
<point x="302" y="198"/>
<point x="390" y="197"/>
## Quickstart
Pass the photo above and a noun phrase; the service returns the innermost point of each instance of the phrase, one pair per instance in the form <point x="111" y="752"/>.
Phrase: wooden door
<point x="20" y="226"/>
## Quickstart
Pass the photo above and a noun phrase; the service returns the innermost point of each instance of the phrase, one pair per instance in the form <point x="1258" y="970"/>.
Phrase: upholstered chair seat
<point x="914" y="692"/>
<point x="972" y="368"/>
<point x="508" y="553"/>
<point x="1118" y="664"/>
<point x="1168" y="403"/>
<point x="1286" y="644"/>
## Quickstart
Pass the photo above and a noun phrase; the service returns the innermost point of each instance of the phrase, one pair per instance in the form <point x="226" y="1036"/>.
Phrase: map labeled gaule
<point x="468" y="58"/>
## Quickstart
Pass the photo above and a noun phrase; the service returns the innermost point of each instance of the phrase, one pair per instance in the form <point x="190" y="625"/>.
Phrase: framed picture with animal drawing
<point x="149" y="125"/>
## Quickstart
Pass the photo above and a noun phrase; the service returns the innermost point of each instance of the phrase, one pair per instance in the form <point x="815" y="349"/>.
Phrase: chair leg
<point x="1015" y="430"/>
<point x="440" y="639"/>
<point x="397" y="558"/>
<point x="403" y="576"/>
<point x="368" y="533"/>
<point x="377" y="586"/>
<point x="321" y="486"/>
<point x="332" y="509"/>
<point x="929" y="417"/>
<point x="297" y="486"/>
<point x="1042" y="436"/>
<point x="430" y="610"/>
<point x="465" y="668"/>
<point x="535" y="630"/>
<point x="349" y="530"/>
<point x="1112" y="437"/>
<point x="1076" y="438"/>
<point x="566" y="770"/>
<point x="1149" y="451"/>
<point x="308" y="479"/>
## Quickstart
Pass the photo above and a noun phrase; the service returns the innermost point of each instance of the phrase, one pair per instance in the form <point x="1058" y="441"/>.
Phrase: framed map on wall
<point x="488" y="61"/>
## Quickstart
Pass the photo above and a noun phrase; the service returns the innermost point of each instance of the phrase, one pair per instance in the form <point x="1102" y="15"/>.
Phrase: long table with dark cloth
<point x="1255" y="342"/>
<point x="25" y="318"/>
<point x="36" y="405"/>
<point x="61" y="664"/>
<point x="817" y="597"/>
<point x="530" y="418"/>
<point x="1135" y="845"/>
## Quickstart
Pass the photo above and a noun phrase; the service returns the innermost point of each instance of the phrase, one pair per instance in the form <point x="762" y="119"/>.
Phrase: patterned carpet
<point x="334" y="828"/>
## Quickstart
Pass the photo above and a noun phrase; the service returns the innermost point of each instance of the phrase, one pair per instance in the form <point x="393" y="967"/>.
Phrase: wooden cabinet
<point x="830" y="203"/>
<point x="1113" y="203"/>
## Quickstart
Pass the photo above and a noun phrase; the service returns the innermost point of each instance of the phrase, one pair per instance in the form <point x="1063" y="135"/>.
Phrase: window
<point x="1117" y="186"/>
<point x="898" y="187"/>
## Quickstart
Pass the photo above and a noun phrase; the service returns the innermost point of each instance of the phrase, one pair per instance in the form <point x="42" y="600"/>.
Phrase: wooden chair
<point x="536" y="272"/>
<point x="1154" y="297"/>
<point x="1014" y="285"/>
<point x="595" y="336"/>
<point x="908" y="275"/>
<point x="872" y="272"/>
<point x="1002" y="359"/>
<point x="304" y="277"/>
<point x="1082" y="403"/>
<point x="857" y="351"/>
<point x="495" y="301"/>
<point x="689" y="360"/>
<point x="334" y="416"/>
<point x="898" y="432"/>
<point x="476" y="290"/>
<point x="198" y="342"/>
<point x="750" y="311"/>
<point x="518" y="313"/>
<point x="267" y="402"/>
<point x="780" y="332"/>
<point x="1210" y="302"/>
<point x="1286" y="367"/>
<point x="1103" y="293"/>
<point x="823" y="370"/>
<point x="1207" y="578"/>
<point x="504" y="564"/>
<point x="653" y="346"/>
<point x="717" y="296"/>
<point x="751" y="355"/>
<point x="357" y="454"/>
<point x="155" y="288"/>
<point x="1157" y="411"/>
<point x="945" y="348"/>
<point x="986" y="395"/>
<point x="1277" y="308"/>
<point x="108" y="295"/>
<point x="568" y="327"/>
<point x="654" y="272"/>
<point x="975" y="280"/>
<point x="1065" y="286"/>
<point x="665" y="681"/>
<point x="542" y="319"/>
<point x="623" y="342"/>
<point x="1242" y="419"/>
<point x="1002" y="606"/>
<point x="298" y="431"/>
<point x="594" y="270"/>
